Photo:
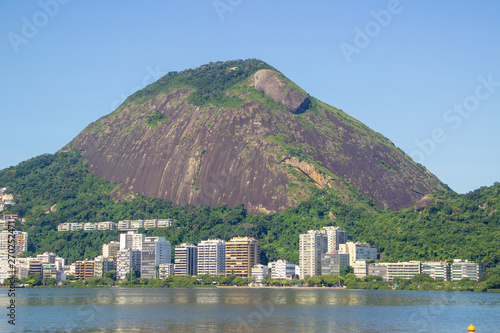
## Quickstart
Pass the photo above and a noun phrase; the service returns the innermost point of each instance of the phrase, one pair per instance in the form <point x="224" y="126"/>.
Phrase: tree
<point x="111" y="275"/>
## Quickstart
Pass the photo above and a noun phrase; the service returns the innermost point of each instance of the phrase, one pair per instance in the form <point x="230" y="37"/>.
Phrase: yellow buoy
<point x="472" y="328"/>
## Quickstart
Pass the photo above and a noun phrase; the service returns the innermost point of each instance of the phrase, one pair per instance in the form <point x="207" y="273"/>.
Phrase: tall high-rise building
<point x="185" y="260"/>
<point x="311" y="246"/>
<point x="212" y="257"/>
<point x="242" y="253"/>
<point x="110" y="250"/>
<point x="127" y="260"/>
<point x="16" y="241"/>
<point x="358" y="251"/>
<point x="155" y="251"/>
<point x="131" y="240"/>
<point x="335" y="236"/>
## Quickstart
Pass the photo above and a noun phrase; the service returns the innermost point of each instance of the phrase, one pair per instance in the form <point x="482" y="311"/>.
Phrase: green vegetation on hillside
<point x="209" y="81"/>
<point x="52" y="189"/>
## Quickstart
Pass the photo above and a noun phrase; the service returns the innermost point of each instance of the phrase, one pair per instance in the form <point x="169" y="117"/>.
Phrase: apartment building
<point x="333" y="262"/>
<point x="186" y="256"/>
<point x="212" y="257"/>
<point x="311" y="246"/>
<point x="102" y="265"/>
<point x="127" y="260"/>
<point x="131" y="240"/>
<point x="111" y="249"/>
<point x="242" y="253"/>
<point x="358" y="251"/>
<point x="155" y="251"/>
<point x="84" y="269"/>
<point x="15" y="242"/>
<point x="335" y="236"/>
<point x="438" y="270"/>
<point x="260" y="272"/>
<point x="165" y="270"/>
<point x="465" y="269"/>
<point x="281" y="269"/>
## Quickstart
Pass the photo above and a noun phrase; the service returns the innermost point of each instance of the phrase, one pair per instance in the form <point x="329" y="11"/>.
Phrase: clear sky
<point x="424" y="74"/>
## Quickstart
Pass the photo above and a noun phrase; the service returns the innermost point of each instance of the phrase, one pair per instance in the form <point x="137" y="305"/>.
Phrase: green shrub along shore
<point x="489" y="282"/>
<point x="53" y="189"/>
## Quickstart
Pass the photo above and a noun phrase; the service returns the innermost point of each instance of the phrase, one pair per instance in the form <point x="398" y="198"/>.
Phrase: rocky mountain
<point x="240" y="132"/>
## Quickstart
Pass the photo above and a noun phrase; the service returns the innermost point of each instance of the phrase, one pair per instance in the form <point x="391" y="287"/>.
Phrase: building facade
<point x="242" y="253"/>
<point x="281" y="269"/>
<point x="465" y="269"/>
<point x="335" y="236"/>
<point x="186" y="256"/>
<point x="358" y="251"/>
<point x="212" y="257"/>
<point x="333" y="262"/>
<point x="438" y="270"/>
<point x="311" y="246"/>
<point x="155" y="251"/>
<point x="84" y="269"/>
<point x="259" y="272"/>
<point x="127" y="261"/>
<point x="131" y="240"/>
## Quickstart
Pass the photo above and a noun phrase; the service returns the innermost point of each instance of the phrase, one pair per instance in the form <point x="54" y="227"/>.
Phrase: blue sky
<point x="426" y="75"/>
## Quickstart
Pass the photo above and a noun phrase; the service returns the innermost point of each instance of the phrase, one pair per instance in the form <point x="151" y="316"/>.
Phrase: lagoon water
<point x="249" y="310"/>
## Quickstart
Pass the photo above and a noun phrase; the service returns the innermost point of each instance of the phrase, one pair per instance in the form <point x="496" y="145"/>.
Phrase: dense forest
<point x="53" y="189"/>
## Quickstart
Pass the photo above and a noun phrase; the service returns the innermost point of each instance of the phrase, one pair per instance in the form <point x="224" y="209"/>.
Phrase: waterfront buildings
<point x="335" y="236"/>
<point x="281" y="269"/>
<point x="360" y="268"/>
<point x="212" y="257"/>
<point x="438" y="270"/>
<point x="165" y="270"/>
<point x="260" y="272"/>
<point x="84" y="269"/>
<point x="333" y="262"/>
<point x="111" y="249"/>
<point x="185" y="259"/>
<point x="155" y="251"/>
<point x="103" y="265"/>
<point x="242" y="253"/>
<point x="391" y="270"/>
<point x="311" y="246"/>
<point x="465" y="269"/>
<point x="127" y="261"/>
<point x="358" y="251"/>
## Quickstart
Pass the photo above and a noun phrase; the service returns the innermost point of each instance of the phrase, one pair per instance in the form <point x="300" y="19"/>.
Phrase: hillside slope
<point x="239" y="132"/>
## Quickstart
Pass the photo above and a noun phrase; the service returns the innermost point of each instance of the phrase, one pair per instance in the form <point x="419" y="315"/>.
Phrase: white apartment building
<point x="358" y="251"/>
<point x="335" y="236"/>
<point x="111" y="249"/>
<point x="166" y="270"/>
<point x="212" y="257"/>
<point x="465" y="269"/>
<point x="16" y="241"/>
<point x="360" y="268"/>
<point x="259" y="272"/>
<point x="438" y="270"/>
<point x="311" y="246"/>
<point x="131" y="240"/>
<point x="281" y="269"/>
<point x="127" y="260"/>
<point x="47" y="258"/>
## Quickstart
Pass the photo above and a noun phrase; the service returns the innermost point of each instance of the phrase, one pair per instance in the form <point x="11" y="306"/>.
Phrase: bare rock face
<point x="253" y="154"/>
<point x="272" y="86"/>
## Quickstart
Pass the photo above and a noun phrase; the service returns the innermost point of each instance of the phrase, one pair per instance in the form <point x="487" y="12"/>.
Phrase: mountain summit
<point x="239" y="132"/>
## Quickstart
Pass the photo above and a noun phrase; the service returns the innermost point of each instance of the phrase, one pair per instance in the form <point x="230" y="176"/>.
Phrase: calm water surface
<point x="249" y="310"/>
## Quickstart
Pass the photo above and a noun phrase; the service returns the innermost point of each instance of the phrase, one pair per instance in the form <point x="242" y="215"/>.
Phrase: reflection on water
<point x="251" y="310"/>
